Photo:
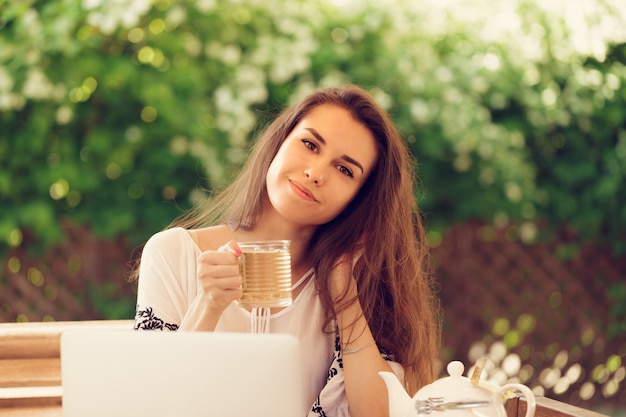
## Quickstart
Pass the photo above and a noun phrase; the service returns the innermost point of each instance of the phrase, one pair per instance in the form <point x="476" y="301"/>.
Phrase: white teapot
<point x="457" y="395"/>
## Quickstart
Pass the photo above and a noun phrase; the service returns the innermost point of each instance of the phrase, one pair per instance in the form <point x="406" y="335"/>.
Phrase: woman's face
<point x="321" y="166"/>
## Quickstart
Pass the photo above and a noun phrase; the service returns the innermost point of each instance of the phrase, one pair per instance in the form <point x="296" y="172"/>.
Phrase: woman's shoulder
<point x="174" y="234"/>
<point x="168" y="240"/>
<point x="204" y="239"/>
<point x="212" y="237"/>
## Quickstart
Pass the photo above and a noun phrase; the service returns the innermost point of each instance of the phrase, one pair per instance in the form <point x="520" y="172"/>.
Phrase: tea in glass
<point x="266" y="270"/>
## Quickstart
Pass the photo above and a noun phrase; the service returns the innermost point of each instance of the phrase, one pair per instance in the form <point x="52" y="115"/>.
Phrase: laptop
<point x="127" y="373"/>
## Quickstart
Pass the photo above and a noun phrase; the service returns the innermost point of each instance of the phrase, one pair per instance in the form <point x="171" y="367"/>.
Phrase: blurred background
<point x="117" y="115"/>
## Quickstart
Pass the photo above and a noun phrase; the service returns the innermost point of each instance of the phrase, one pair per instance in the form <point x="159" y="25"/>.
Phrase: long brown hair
<point x="382" y="223"/>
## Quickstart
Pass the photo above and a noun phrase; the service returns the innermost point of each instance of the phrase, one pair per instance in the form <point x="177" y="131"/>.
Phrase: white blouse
<point x="168" y="286"/>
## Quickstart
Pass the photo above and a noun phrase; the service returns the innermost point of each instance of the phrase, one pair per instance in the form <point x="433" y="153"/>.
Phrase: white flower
<point x="91" y="4"/>
<point x="6" y="81"/>
<point x="109" y="15"/>
<point x="64" y="115"/>
<point x="37" y="85"/>
<point x="206" y="6"/>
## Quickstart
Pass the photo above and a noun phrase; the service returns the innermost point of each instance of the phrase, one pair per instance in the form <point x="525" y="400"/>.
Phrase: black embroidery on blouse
<point x="337" y="354"/>
<point x="146" y="320"/>
<point x="318" y="409"/>
<point x="387" y="355"/>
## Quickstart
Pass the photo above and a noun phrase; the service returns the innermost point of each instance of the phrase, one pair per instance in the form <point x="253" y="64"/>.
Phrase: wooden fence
<point x="550" y="315"/>
<point x="72" y="281"/>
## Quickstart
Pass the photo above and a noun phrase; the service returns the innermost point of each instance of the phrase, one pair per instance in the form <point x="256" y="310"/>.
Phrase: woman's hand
<point x="219" y="279"/>
<point x="219" y="283"/>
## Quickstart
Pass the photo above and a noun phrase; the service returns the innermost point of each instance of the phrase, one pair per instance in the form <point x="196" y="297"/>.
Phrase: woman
<point x="332" y="175"/>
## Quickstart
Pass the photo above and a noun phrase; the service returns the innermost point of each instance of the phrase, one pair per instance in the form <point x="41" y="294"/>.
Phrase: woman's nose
<point x="315" y="174"/>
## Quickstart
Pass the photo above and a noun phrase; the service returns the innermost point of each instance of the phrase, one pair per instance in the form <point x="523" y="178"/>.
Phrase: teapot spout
<point x="400" y="403"/>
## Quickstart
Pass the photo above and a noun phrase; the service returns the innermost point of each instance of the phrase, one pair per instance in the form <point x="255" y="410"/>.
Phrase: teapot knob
<point x="455" y="368"/>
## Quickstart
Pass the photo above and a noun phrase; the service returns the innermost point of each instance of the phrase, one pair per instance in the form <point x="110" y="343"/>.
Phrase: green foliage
<point x="120" y="114"/>
<point x="106" y="300"/>
<point x="617" y="296"/>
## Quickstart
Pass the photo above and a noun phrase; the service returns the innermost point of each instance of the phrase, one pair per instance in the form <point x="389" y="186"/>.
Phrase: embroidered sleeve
<point x="146" y="320"/>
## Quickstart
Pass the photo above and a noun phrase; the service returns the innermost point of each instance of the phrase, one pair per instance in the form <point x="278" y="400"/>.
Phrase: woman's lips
<point x="302" y="191"/>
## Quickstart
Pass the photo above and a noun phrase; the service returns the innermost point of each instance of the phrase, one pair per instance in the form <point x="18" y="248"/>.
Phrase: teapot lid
<point x="455" y="387"/>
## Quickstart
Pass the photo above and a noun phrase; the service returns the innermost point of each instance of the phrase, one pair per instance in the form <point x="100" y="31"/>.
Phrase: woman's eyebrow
<point x="344" y="157"/>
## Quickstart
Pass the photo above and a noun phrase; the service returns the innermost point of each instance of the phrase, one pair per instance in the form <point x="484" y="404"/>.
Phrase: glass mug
<point x="266" y="270"/>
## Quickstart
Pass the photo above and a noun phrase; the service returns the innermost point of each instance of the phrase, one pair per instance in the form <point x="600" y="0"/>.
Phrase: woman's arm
<point x="219" y="284"/>
<point x="365" y="390"/>
<point x="168" y="265"/>
<point x="200" y="317"/>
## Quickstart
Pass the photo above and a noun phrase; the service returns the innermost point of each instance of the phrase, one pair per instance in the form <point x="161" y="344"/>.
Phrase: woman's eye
<point x="346" y="171"/>
<point x="312" y="146"/>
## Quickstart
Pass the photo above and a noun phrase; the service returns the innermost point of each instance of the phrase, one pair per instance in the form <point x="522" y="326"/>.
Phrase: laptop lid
<point x="126" y="373"/>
